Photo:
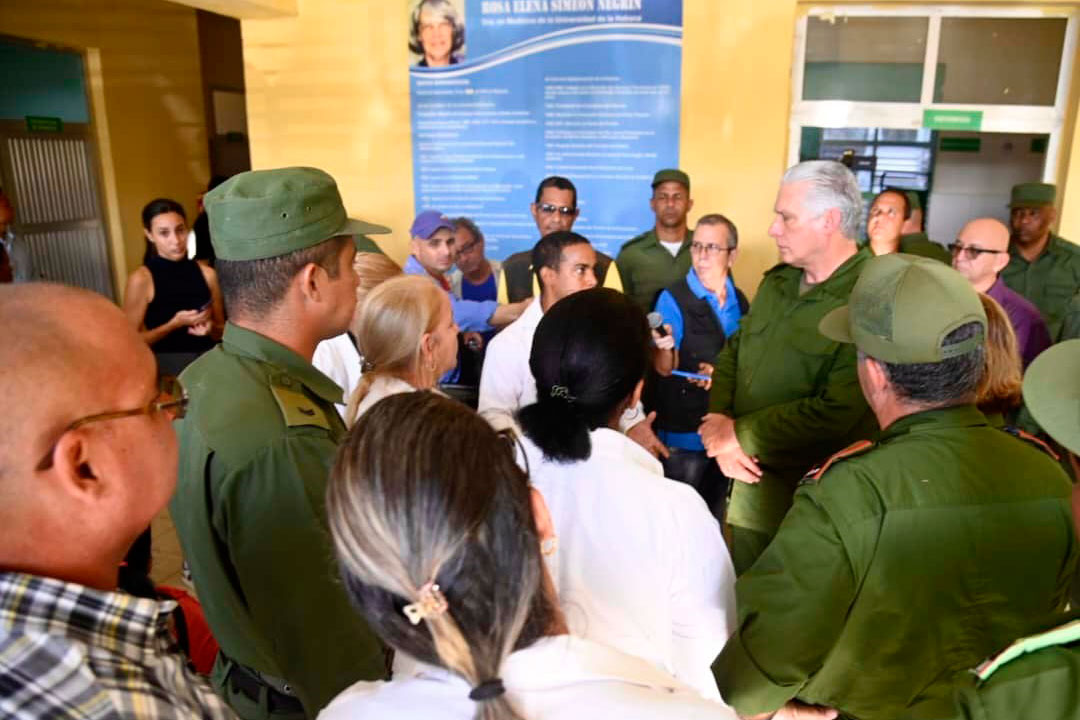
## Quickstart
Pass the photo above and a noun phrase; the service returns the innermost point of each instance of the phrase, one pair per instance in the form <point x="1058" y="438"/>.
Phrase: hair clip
<point x="366" y="365"/>
<point x="563" y="392"/>
<point x="430" y="603"/>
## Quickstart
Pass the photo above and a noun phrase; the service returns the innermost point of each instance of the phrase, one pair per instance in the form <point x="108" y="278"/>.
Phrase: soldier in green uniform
<point x="1042" y="267"/>
<point x="257" y="444"/>
<point x="657" y="258"/>
<point x="907" y="560"/>
<point x="783" y="396"/>
<point x="888" y="213"/>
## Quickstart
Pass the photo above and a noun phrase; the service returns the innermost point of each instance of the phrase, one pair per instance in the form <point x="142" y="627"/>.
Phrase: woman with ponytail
<point x="407" y="338"/>
<point x="640" y="564"/>
<point x="440" y="549"/>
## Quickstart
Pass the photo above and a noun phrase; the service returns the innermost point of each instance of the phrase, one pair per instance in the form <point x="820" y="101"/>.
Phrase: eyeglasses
<point x="971" y="252"/>
<point x="171" y="399"/>
<point x="710" y="249"/>
<point x="548" y="209"/>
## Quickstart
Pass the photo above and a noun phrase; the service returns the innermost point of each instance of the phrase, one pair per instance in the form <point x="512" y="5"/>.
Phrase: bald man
<point x="87" y="458"/>
<point x="980" y="253"/>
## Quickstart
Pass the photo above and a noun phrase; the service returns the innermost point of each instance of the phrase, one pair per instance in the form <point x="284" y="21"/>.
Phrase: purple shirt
<point x="1032" y="334"/>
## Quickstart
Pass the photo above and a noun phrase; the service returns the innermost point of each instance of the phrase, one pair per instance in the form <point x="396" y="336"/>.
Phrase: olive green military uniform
<point x="1050" y="281"/>
<point x="793" y="394"/>
<point x="921" y="245"/>
<point x="256" y="449"/>
<point x="900" y="564"/>
<point x="647" y="267"/>
<point x="1070" y="320"/>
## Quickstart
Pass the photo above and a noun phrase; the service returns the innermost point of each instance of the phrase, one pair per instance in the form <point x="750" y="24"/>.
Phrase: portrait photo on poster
<point x="436" y="32"/>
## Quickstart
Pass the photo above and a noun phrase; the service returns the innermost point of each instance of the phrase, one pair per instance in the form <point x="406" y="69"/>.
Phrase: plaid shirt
<point x="69" y="651"/>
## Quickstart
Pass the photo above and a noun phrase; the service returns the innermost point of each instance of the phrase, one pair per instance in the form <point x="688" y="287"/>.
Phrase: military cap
<point x="1052" y="392"/>
<point x="672" y="175"/>
<point x="901" y="309"/>
<point x="267" y="213"/>
<point x="1026" y="195"/>
<point x="427" y="222"/>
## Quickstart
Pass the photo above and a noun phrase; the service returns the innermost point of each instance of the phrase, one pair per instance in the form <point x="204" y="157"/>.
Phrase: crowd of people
<point x="850" y="496"/>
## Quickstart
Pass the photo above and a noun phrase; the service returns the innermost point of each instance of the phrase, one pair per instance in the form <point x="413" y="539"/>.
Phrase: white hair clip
<point x="430" y="603"/>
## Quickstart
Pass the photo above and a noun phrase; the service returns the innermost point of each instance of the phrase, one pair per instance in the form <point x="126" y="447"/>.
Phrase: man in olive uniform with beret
<point x="909" y="559"/>
<point x="257" y="445"/>
<point x="660" y="257"/>
<point x="783" y="396"/>
<point x="1042" y="267"/>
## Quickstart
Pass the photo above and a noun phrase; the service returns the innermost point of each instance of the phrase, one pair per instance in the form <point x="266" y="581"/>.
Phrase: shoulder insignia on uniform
<point x="298" y="409"/>
<point x="1031" y="439"/>
<point x="856" y="448"/>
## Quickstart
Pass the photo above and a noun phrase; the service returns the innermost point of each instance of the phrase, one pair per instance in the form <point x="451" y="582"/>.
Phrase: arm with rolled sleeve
<point x="792" y="607"/>
<point x="773" y="432"/>
<point x="472" y="315"/>
<point x="273" y="516"/>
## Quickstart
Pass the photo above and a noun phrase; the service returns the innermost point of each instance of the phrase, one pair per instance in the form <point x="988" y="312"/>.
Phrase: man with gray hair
<point x="783" y="396"/>
<point x="904" y="562"/>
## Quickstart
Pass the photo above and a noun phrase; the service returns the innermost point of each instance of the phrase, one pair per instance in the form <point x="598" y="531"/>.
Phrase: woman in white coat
<point x="440" y="548"/>
<point x="407" y="338"/>
<point x="641" y="565"/>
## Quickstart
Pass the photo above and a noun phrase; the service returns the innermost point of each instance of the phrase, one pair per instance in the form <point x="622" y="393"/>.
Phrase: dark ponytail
<point x="590" y="350"/>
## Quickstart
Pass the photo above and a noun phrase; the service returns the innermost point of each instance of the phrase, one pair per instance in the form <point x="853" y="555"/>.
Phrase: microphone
<point x="656" y="322"/>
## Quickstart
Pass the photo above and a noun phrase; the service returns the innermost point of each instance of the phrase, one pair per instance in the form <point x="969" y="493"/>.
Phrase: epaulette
<point x="1032" y="440"/>
<point x="856" y="448"/>
<point x="297" y="409"/>
<point x="633" y="240"/>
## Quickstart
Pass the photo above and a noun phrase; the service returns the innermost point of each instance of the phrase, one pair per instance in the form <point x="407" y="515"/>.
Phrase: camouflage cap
<point x="902" y="308"/>
<point x="1026" y="195"/>
<point x="268" y="213"/>
<point x="672" y="175"/>
<point x="1052" y="392"/>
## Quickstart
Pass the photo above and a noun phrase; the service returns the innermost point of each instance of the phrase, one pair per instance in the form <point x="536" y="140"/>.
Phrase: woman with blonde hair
<point x="998" y="394"/>
<point x="407" y="337"/>
<point x="441" y="548"/>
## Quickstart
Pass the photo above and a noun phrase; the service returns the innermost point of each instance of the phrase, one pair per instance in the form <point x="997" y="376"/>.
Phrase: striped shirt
<point x="69" y="651"/>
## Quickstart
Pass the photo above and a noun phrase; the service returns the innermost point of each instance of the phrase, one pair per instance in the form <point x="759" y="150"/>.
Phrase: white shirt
<point x="382" y="386"/>
<point x="672" y="247"/>
<point x="338" y="360"/>
<point x="641" y="565"/>
<point x="555" y="678"/>
<point x="506" y="383"/>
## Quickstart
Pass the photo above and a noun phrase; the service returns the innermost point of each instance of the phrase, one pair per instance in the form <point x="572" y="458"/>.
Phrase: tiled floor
<point x="167" y="557"/>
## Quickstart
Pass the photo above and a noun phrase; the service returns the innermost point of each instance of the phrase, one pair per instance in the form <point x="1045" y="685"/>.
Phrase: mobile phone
<point x="690" y="375"/>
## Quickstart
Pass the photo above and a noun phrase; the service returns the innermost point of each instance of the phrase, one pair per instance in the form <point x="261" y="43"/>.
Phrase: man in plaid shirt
<point x="87" y="458"/>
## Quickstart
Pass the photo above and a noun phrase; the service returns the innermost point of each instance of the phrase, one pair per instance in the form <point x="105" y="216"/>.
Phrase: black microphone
<point x="656" y="322"/>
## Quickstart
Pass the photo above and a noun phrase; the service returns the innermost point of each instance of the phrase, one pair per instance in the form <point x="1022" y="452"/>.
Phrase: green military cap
<point x="672" y="175"/>
<point x="1052" y="392"/>
<point x="267" y="213"/>
<point x="1033" y="195"/>
<point x="901" y="309"/>
<point x="913" y="199"/>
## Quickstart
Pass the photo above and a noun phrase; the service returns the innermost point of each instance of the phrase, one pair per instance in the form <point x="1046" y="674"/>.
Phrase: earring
<point x="548" y="546"/>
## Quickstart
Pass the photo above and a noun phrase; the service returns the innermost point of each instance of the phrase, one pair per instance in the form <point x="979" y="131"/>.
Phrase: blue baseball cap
<point x="427" y="222"/>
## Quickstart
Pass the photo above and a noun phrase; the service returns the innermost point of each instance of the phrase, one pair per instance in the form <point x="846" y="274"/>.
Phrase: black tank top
<point x="178" y="285"/>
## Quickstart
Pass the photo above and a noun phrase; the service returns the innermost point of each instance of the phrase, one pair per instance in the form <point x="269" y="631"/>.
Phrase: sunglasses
<point x="171" y="398"/>
<point x="548" y="209"/>
<point x="971" y="252"/>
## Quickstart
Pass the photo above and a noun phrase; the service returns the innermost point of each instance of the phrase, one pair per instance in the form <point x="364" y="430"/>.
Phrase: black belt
<point x="247" y="682"/>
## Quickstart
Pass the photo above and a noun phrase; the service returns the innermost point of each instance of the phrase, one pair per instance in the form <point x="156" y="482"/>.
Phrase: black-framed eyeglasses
<point x="971" y="252"/>
<point x="548" y="208"/>
<point x="171" y="398"/>
<point x="710" y="249"/>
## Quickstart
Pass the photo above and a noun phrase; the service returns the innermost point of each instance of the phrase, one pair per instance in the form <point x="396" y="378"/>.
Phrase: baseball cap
<point x="672" y="175"/>
<point x="1052" y="392"/>
<point x="267" y="213"/>
<point x="901" y="309"/>
<point x="1032" y="195"/>
<point x="427" y="222"/>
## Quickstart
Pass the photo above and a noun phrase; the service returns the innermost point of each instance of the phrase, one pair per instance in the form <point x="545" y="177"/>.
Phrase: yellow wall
<point x="143" y="67"/>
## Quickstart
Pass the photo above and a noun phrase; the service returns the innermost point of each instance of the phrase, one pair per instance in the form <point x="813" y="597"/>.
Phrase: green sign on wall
<point x="952" y="119"/>
<point x="36" y="123"/>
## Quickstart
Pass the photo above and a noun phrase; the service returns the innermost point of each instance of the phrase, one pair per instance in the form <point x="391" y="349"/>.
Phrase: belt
<point x="250" y="683"/>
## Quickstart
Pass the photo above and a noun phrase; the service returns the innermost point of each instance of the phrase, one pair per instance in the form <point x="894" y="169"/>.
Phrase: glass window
<point x="870" y="59"/>
<point x="999" y="61"/>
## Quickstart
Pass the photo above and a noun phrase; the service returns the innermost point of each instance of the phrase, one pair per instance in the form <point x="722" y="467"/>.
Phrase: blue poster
<point x="507" y="92"/>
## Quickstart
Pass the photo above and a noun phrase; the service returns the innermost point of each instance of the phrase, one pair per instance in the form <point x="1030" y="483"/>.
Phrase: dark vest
<point x="679" y="404"/>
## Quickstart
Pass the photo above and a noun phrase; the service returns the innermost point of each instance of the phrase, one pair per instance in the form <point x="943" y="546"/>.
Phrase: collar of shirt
<point x="1052" y="250"/>
<point x="241" y="341"/>
<point x="654" y="242"/>
<point x="929" y="420"/>
<point x="413" y="267"/>
<point x="613" y="444"/>
<point x="125" y="624"/>
<point x="703" y="293"/>
<point x="837" y="280"/>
